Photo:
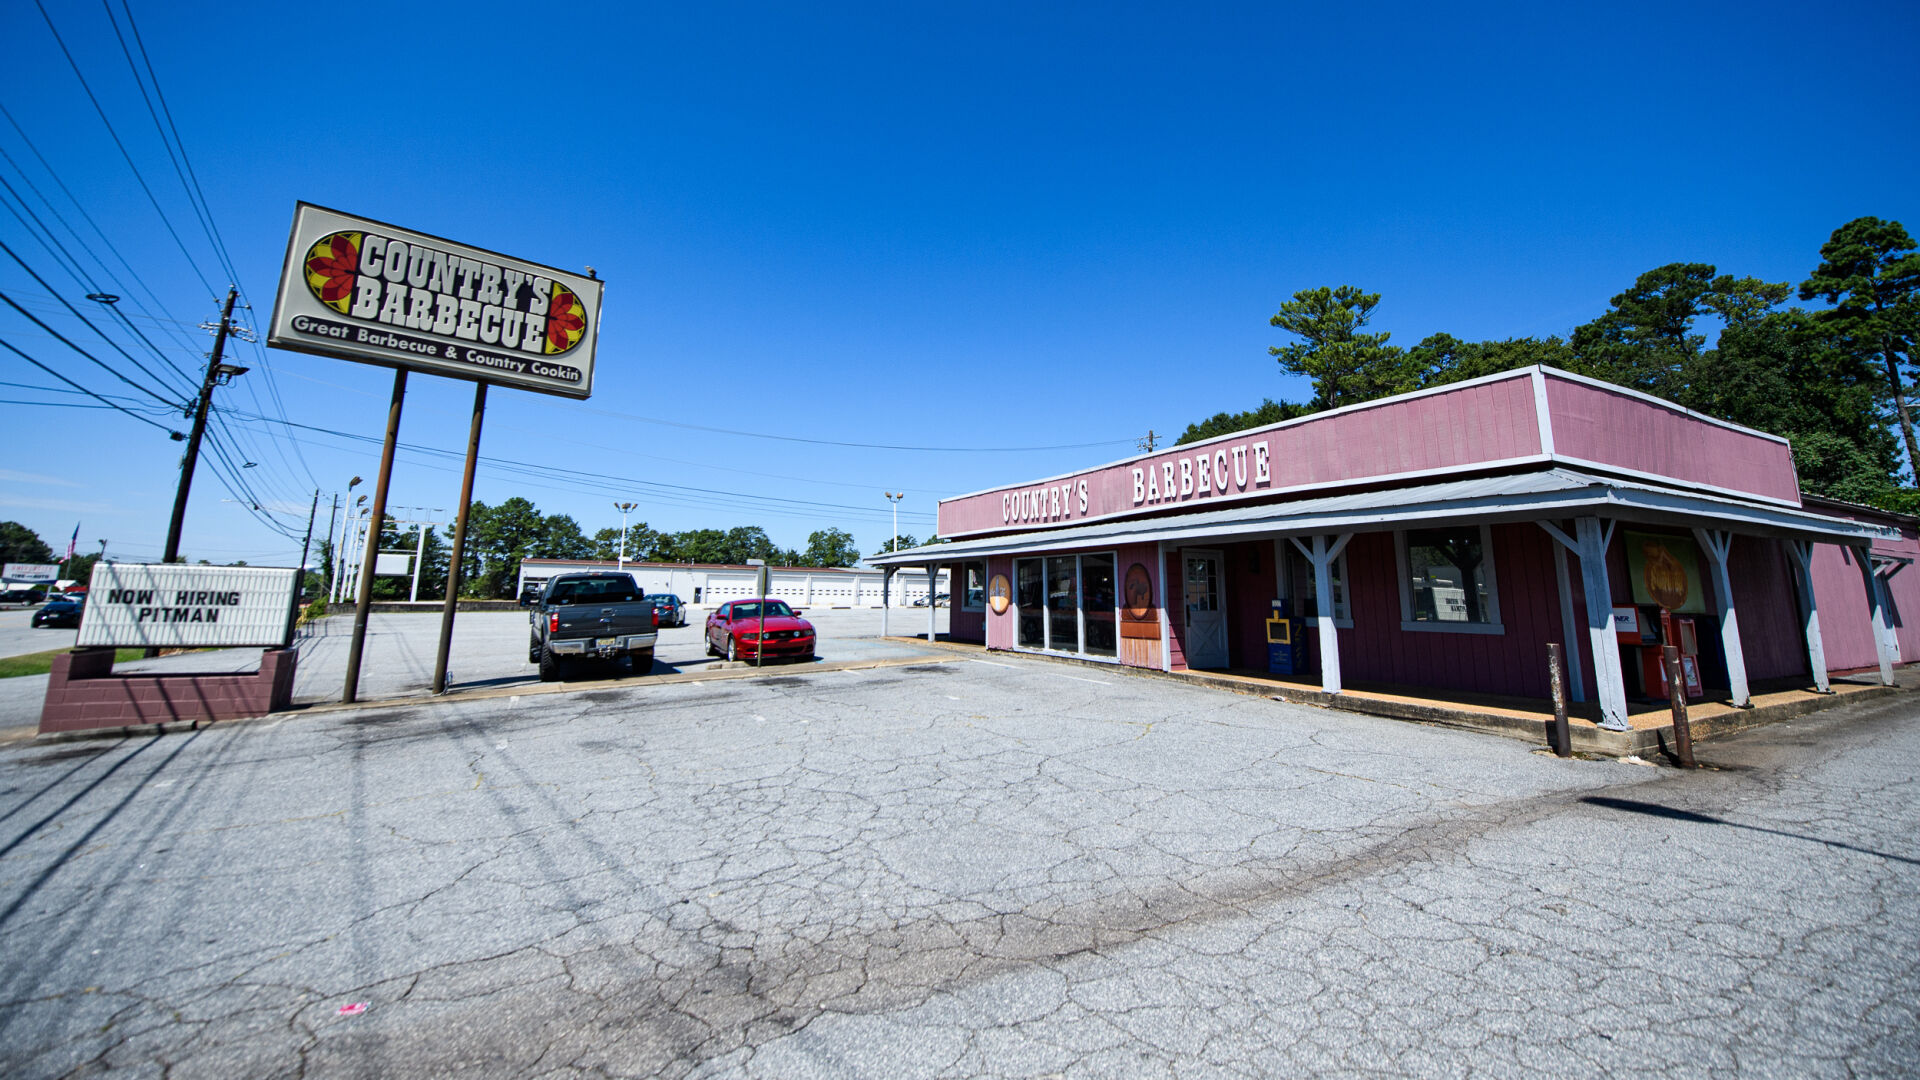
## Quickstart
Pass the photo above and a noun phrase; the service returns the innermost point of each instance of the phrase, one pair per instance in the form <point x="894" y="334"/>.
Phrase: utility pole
<point x="217" y="373"/>
<point x="333" y="549"/>
<point x="1152" y="440"/>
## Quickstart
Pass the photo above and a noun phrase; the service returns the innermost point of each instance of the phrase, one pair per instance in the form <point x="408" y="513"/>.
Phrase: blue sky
<point x="978" y="230"/>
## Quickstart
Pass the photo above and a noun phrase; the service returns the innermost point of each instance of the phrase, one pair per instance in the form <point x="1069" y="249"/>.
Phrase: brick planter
<point x="84" y="694"/>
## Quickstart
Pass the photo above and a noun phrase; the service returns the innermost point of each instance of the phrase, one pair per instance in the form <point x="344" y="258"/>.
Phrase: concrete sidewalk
<point x="1651" y="723"/>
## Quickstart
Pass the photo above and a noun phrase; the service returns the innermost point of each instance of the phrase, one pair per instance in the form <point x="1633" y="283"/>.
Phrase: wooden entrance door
<point x="1206" y="644"/>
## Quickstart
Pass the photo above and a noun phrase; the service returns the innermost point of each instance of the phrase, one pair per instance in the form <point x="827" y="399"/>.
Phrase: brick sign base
<point x="83" y="693"/>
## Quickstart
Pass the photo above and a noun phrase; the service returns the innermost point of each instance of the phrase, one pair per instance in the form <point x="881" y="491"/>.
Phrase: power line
<point x="855" y="445"/>
<point x="196" y="197"/>
<point x="81" y="277"/>
<point x="103" y="364"/>
<point x="603" y="483"/>
<point x="173" y="325"/>
<point x="9" y="347"/>
<point x="164" y="220"/>
<point x="76" y="314"/>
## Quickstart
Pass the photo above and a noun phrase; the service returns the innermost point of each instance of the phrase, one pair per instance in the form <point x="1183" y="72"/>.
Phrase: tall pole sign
<point x="358" y="289"/>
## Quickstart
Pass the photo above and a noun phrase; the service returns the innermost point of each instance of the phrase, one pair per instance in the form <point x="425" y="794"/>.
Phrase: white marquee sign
<point x="178" y="606"/>
<point x="358" y="289"/>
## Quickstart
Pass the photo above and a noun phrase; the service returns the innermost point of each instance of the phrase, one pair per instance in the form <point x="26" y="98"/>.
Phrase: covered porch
<point x="1451" y="588"/>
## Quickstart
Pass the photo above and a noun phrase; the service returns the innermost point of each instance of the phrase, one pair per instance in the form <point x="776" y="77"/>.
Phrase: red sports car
<point x="737" y="631"/>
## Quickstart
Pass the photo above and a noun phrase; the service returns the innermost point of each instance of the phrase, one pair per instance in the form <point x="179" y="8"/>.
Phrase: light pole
<point x="894" y="498"/>
<point x="625" y="508"/>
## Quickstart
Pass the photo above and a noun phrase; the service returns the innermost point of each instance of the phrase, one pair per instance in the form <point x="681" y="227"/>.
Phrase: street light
<point x="894" y="498"/>
<point x="625" y="508"/>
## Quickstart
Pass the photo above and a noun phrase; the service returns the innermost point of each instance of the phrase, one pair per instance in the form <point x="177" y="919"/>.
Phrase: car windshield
<point x="775" y="609"/>
<point x="594" y="591"/>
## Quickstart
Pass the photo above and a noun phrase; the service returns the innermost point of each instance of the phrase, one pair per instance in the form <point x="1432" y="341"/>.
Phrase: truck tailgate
<point x="603" y="620"/>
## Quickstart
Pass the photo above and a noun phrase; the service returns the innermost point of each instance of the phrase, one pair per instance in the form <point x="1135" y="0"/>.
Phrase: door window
<point x="1063" y="604"/>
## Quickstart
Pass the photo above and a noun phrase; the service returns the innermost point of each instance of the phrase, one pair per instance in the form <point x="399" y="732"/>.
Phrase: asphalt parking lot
<point x="489" y="652"/>
<point x="954" y="868"/>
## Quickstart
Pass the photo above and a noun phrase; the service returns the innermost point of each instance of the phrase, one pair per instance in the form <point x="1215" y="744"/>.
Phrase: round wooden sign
<point x="1139" y="586"/>
<point x="999" y="594"/>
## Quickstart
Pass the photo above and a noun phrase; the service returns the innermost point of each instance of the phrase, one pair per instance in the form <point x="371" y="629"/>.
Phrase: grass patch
<point x="40" y="663"/>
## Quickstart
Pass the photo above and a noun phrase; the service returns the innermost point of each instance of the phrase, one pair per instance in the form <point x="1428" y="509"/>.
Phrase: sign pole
<point x="457" y="557"/>
<point x="379" y="515"/>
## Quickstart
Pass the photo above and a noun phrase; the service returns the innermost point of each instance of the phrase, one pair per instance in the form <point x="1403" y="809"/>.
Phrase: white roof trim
<point x="1553" y="493"/>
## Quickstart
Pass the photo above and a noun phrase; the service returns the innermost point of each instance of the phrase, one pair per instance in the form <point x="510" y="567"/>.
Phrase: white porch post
<point x="1166" y="617"/>
<point x="1884" y="642"/>
<point x="1802" y="552"/>
<point x="933" y="574"/>
<point x="1590" y="542"/>
<point x="1717" y="543"/>
<point x="1321" y="555"/>
<point x="1569" y="627"/>
<point x="886" y="582"/>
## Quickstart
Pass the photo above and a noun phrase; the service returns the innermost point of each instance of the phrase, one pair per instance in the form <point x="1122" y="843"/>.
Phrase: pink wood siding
<point x="1377" y="650"/>
<point x="1763" y="598"/>
<point x="1598" y="425"/>
<point x="1846" y="628"/>
<point x="999" y="627"/>
<point x="1494" y="421"/>
<point x="1903" y="593"/>
<point x="1836" y="573"/>
<point x="1125" y="556"/>
<point x="1176" y="622"/>
<point x="1250" y="579"/>
<point x="966" y="625"/>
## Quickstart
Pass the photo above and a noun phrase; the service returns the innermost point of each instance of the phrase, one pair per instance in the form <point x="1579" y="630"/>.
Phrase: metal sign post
<point x="457" y="558"/>
<point x="379" y="516"/>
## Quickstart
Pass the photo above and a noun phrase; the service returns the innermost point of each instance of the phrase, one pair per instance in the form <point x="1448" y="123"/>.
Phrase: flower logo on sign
<point x="332" y="264"/>
<point x="566" y="320"/>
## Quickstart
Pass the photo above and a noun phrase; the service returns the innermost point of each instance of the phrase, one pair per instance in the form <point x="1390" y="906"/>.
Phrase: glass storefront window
<point x="974" y="598"/>
<point x="1098" y="600"/>
<point x="1029" y="596"/>
<point x="1305" y="588"/>
<point x="1067" y="604"/>
<point x="1446" y="574"/>
<point x="1063" y="604"/>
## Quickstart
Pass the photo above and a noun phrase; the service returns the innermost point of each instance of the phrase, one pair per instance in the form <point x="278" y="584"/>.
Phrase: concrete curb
<point x="1643" y="742"/>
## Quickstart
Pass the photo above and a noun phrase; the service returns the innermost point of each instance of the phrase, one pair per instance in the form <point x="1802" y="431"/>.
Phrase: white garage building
<point x="711" y="584"/>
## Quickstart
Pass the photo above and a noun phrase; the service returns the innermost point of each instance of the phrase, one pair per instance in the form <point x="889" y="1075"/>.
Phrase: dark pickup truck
<point x="594" y="614"/>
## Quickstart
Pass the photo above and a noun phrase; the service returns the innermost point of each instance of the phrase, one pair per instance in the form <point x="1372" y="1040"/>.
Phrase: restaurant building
<point x="1442" y="539"/>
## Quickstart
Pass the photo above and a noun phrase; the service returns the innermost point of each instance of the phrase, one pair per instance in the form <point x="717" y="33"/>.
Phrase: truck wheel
<point x="642" y="661"/>
<point x="733" y="649"/>
<point x="549" y="665"/>
<point x="533" y="650"/>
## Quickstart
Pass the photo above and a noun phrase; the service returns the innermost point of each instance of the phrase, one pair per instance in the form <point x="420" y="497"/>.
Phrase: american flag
<point x="73" y="541"/>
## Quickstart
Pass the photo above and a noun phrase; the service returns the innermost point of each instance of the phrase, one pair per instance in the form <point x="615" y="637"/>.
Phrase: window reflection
<point x="1063" y="604"/>
<point x="1029" y="594"/>
<point x="1447" y="576"/>
<point x="1097" y="596"/>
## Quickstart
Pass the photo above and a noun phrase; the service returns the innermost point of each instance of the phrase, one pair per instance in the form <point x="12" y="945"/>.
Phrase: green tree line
<point x="1834" y="380"/>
